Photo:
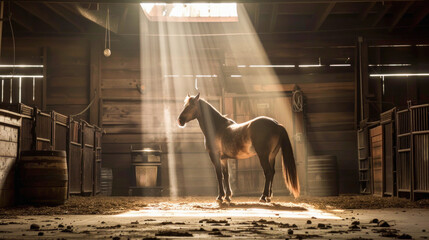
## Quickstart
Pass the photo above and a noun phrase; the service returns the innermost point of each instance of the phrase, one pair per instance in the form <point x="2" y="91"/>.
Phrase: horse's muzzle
<point x="181" y="122"/>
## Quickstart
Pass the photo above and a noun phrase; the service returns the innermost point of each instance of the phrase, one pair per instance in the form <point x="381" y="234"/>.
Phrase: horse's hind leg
<point x="226" y="184"/>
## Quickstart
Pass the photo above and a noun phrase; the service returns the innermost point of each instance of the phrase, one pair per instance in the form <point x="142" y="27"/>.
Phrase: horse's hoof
<point x="219" y="200"/>
<point x="262" y="200"/>
<point x="227" y="201"/>
<point x="268" y="200"/>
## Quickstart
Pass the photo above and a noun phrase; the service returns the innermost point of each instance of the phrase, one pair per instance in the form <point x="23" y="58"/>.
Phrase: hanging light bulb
<point x="107" y="51"/>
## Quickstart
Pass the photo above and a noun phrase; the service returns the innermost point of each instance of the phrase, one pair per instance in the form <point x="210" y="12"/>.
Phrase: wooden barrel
<point x="322" y="175"/>
<point x="43" y="177"/>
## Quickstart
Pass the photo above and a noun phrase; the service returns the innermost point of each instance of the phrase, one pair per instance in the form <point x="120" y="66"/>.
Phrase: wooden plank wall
<point x="67" y="70"/>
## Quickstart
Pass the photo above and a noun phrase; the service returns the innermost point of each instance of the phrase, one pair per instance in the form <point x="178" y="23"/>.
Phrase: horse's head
<point x="190" y="110"/>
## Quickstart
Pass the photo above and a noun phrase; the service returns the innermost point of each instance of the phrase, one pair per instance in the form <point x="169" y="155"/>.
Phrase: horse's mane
<point x="212" y="110"/>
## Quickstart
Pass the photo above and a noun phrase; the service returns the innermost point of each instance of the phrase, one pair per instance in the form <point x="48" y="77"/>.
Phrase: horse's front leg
<point x="227" y="186"/>
<point x="215" y="158"/>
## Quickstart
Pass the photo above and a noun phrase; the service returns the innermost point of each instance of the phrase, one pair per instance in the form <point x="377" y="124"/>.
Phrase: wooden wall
<point x="66" y="71"/>
<point x="76" y="68"/>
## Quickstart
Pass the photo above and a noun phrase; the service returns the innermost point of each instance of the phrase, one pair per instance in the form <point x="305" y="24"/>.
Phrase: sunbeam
<point x="208" y="54"/>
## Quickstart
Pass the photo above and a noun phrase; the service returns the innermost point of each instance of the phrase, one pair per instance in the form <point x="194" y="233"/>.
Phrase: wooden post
<point x="1" y="22"/>
<point x="363" y="78"/>
<point x="94" y="92"/>
<point x="45" y="77"/>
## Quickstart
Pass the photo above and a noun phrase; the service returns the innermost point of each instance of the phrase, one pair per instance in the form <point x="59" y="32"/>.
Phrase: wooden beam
<point x="366" y="11"/>
<point x="419" y="16"/>
<point x="320" y="18"/>
<point x="274" y="13"/>
<point x="37" y="11"/>
<point x="1" y="23"/>
<point x="64" y="13"/>
<point x="381" y="14"/>
<point x="45" y="76"/>
<point x="23" y="19"/>
<point x="400" y="14"/>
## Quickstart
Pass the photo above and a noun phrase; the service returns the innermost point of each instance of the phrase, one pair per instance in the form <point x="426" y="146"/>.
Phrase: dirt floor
<point x="344" y="217"/>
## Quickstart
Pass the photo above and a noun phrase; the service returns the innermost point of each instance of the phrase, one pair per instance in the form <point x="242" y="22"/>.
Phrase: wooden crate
<point x="26" y="133"/>
<point x="10" y="124"/>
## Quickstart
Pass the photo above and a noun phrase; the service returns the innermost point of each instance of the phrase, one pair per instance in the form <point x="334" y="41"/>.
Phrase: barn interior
<point x="91" y="92"/>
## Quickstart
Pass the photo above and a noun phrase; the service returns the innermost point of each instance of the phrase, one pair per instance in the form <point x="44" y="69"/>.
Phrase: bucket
<point x="322" y="175"/>
<point x="43" y="177"/>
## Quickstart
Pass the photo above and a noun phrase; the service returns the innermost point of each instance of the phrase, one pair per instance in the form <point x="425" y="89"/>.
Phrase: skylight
<point x="191" y="12"/>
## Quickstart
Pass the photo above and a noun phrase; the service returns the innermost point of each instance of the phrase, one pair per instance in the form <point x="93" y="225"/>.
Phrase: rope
<point x="107" y="34"/>
<point x="87" y="107"/>
<point x="297" y="104"/>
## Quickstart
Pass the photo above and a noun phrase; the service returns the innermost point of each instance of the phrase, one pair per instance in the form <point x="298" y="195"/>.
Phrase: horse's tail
<point x="290" y="174"/>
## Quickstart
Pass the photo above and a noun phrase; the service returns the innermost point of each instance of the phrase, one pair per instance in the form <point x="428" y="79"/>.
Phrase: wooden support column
<point x="45" y="76"/>
<point x="94" y="81"/>
<point x="378" y="90"/>
<point x="1" y="22"/>
<point x="363" y="78"/>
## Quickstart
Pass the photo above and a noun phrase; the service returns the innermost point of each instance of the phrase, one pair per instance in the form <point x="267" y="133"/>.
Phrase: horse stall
<point x="129" y="119"/>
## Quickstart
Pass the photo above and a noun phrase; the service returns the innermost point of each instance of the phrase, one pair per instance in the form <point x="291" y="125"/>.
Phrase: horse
<point x="225" y="139"/>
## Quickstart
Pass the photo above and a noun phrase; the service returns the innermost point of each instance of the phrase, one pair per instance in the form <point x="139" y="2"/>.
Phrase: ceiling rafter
<point x="36" y="10"/>
<point x="419" y="16"/>
<point x="64" y="13"/>
<point x="381" y="14"/>
<point x="23" y="20"/>
<point x="400" y="14"/>
<point x="320" y="18"/>
<point x="366" y="11"/>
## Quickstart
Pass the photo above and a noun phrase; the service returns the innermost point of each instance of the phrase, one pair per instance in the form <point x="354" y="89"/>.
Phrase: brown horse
<point x="225" y="139"/>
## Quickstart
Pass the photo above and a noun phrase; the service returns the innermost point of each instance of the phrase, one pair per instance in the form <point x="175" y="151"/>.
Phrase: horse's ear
<point x="188" y="95"/>
<point x="197" y="97"/>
